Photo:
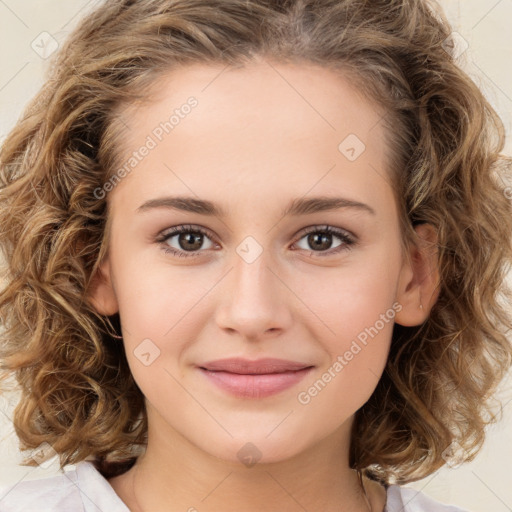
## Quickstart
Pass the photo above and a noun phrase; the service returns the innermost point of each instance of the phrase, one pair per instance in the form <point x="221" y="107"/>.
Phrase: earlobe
<point x="418" y="287"/>
<point x="101" y="292"/>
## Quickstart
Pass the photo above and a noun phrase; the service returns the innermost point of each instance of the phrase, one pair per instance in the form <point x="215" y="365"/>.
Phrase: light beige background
<point x="484" y="485"/>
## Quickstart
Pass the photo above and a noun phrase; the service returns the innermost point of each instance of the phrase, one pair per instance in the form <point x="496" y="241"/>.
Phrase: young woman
<point x="255" y="255"/>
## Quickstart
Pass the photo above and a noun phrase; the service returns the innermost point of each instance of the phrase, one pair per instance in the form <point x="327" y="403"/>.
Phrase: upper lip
<point x="248" y="367"/>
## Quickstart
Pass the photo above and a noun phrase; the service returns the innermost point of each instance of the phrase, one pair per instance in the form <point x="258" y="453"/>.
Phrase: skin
<point x="259" y="137"/>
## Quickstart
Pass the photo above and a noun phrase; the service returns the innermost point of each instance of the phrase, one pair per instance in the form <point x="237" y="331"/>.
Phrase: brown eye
<point x="190" y="241"/>
<point x="185" y="241"/>
<point x="321" y="240"/>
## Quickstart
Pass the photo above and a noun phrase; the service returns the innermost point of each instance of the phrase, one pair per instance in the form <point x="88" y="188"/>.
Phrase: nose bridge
<point x="253" y="302"/>
<point x="250" y="280"/>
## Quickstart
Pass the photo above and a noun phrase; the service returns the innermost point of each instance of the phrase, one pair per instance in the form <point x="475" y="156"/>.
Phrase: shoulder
<point x="82" y="489"/>
<point x="405" y="499"/>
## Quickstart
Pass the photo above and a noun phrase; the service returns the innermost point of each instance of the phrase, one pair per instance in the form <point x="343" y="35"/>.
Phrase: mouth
<point x="243" y="378"/>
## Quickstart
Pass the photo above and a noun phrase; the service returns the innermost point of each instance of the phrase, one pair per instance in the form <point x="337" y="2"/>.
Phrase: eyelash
<point x="348" y="241"/>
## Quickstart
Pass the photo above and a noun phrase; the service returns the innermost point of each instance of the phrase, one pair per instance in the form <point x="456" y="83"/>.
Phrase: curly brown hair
<point x="445" y="140"/>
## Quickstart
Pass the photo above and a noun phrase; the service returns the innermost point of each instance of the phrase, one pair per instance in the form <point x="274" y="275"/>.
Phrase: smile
<point x="254" y="379"/>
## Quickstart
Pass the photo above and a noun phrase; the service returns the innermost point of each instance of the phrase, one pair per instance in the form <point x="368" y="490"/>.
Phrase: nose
<point x="255" y="301"/>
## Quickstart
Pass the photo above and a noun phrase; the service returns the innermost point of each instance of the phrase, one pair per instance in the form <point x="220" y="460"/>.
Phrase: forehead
<point x="321" y="97"/>
<point x="293" y="126"/>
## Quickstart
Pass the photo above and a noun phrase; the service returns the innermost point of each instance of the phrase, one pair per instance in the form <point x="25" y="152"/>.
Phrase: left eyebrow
<point x="300" y="206"/>
<point x="304" y="206"/>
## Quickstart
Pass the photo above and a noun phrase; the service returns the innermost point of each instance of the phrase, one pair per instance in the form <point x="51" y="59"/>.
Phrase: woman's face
<point x="260" y="146"/>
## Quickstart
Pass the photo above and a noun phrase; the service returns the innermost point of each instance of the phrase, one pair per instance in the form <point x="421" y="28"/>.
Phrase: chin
<point x="249" y="451"/>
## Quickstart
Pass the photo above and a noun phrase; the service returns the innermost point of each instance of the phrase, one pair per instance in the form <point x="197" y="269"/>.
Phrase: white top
<point x="84" y="489"/>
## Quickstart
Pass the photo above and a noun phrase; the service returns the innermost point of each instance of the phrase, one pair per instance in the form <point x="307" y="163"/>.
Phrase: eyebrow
<point x="300" y="206"/>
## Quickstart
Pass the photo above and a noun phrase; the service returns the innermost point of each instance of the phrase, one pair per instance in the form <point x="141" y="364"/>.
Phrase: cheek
<point x="356" y="308"/>
<point x="154" y="300"/>
<point x="162" y="311"/>
<point x="349" y="299"/>
<point x="356" y="343"/>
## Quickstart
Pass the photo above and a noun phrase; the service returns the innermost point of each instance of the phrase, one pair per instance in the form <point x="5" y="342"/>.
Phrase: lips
<point x="244" y="378"/>
<point x="247" y="367"/>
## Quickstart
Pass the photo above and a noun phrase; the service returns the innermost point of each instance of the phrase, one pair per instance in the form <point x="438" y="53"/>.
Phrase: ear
<point x="101" y="292"/>
<point x="418" y="285"/>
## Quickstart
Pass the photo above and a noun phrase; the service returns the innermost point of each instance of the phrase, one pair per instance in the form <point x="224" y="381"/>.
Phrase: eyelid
<point x="325" y="228"/>
<point x="175" y="230"/>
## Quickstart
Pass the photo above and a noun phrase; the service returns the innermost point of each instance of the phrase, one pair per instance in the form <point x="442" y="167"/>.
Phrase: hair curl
<point x="445" y="140"/>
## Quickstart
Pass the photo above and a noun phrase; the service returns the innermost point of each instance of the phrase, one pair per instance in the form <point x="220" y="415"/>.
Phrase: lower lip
<point x="255" y="386"/>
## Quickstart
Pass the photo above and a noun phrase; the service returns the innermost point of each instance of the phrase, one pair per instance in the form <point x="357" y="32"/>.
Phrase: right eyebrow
<point x="186" y="204"/>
